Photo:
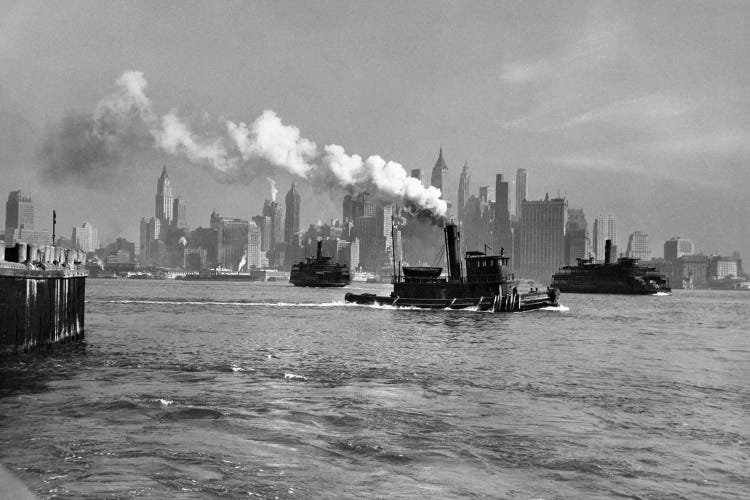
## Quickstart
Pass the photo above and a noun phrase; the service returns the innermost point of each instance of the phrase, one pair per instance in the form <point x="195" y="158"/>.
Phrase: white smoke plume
<point x="274" y="191"/>
<point x="87" y="147"/>
<point x="243" y="261"/>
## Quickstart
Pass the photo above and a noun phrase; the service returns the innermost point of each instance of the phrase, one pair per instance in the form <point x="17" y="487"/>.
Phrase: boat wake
<point x="560" y="308"/>
<point x="662" y="294"/>
<point x="227" y="303"/>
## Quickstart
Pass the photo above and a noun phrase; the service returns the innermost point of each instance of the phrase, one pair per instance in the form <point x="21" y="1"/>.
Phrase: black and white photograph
<point x="399" y="249"/>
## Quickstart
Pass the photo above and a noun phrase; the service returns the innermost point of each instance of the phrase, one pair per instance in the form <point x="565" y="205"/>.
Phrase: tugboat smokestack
<point x="451" y="251"/>
<point x="607" y="251"/>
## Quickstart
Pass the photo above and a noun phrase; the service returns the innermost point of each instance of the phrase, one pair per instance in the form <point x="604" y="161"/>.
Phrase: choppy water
<point x="202" y="390"/>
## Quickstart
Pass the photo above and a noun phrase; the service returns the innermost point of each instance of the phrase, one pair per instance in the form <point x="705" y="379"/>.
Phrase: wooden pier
<point x="40" y="305"/>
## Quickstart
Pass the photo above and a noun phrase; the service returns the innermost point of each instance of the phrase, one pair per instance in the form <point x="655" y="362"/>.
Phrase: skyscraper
<point x="253" y="246"/>
<point x="502" y="234"/>
<point x="85" y="238"/>
<point x="577" y="242"/>
<point x="676" y="247"/>
<point x="464" y="190"/>
<point x="439" y="177"/>
<point x="263" y="222"/>
<point x="291" y="225"/>
<point x="150" y="231"/>
<point x="19" y="221"/>
<point x="179" y="212"/>
<point x="542" y="238"/>
<point x="233" y="240"/>
<point x="521" y="192"/>
<point x="19" y="211"/>
<point x="272" y="209"/>
<point x="638" y="247"/>
<point x="604" y="229"/>
<point x="164" y="200"/>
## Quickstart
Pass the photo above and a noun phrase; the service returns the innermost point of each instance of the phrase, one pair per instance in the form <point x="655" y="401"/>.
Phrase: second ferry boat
<point x="319" y="271"/>
<point x="626" y="276"/>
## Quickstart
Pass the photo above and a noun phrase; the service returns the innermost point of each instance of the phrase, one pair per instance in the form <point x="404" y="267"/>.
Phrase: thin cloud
<point x="725" y="142"/>
<point x="590" y="50"/>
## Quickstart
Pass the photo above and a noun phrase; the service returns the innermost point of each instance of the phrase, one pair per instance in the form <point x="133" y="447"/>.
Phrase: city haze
<point x="630" y="109"/>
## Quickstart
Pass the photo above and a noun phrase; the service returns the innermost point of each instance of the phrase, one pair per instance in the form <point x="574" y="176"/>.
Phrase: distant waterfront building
<point x="19" y="221"/>
<point x="118" y="258"/>
<point x="577" y="242"/>
<point x="502" y="234"/>
<point x="604" y="229"/>
<point x="541" y="239"/>
<point x="521" y="192"/>
<point x="692" y="269"/>
<point x="85" y="238"/>
<point x="291" y="224"/>
<point x="676" y="247"/>
<point x="638" y="246"/>
<point x="439" y="177"/>
<point x="232" y="240"/>
<point x="722" y="267"/>
<point x="464" y="189"/>
<point x="164" y="200"/>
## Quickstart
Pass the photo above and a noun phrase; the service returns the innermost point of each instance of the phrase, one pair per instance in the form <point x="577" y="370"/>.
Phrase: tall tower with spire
<point x="291" y="224"/>
<point x="164" y="199"/>
<point x="439" y="177"/>
<point x="464" y="190"/>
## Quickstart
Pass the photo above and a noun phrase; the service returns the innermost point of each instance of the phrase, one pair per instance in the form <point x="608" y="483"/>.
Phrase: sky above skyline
<point x="635" y="109"/>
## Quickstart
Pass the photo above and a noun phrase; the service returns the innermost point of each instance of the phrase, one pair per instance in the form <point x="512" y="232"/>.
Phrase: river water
<point x="263" y="390"/>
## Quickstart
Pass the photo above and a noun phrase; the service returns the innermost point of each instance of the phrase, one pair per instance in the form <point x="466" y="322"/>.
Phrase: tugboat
<point x="626" y="276"/>
<point x="487" y="286"/>
<point x="319" y="272"/>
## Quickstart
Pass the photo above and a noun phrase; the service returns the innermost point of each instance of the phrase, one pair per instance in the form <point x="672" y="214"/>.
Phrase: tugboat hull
<point x="497" y="303"/>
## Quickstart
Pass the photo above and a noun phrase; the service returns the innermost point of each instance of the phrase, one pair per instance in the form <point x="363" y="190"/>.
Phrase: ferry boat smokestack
<point x="607" y="251"/>
<point x="451" y="251"/>
<point x="319" y="252"/>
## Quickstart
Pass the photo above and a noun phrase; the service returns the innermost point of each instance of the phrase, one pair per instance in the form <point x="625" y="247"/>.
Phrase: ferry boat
<point x="219" y="274"/>
<point x="487" y="286"/>
<point x="318" y="271"/>
<point x="626" y="276"/>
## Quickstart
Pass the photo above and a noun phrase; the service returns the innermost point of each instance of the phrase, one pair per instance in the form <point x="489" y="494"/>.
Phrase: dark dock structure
<point x="42" y="296"/>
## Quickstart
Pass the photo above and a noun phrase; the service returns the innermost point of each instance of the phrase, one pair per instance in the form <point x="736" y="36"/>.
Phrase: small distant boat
<point x="487" y="286"/>
<point x="626" y="276"/>
<point x="318" y="271"/>
<point x="219" y="275"/>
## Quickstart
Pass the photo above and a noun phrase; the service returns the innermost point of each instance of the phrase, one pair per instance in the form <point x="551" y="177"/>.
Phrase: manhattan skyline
<point x="633" y="110"/>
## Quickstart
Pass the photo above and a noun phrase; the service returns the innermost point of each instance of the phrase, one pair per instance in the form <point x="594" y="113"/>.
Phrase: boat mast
<point x="393" y="247"/>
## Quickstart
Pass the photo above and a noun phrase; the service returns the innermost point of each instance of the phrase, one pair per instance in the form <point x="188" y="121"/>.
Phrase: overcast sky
<point x="636" y="109"/>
